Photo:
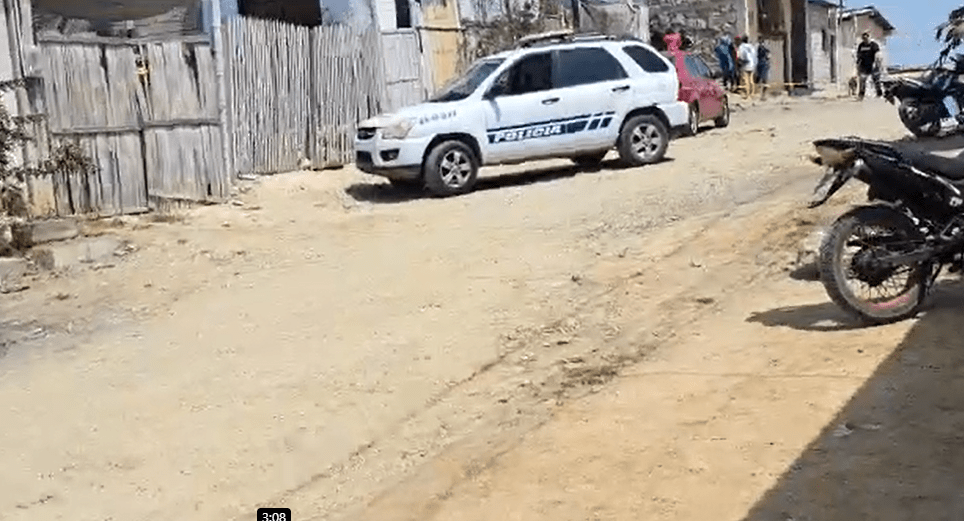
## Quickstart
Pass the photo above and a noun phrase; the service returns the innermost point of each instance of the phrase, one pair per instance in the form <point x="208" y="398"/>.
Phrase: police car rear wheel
<point x="643" y="140"/>
<point x="450" y="169"/>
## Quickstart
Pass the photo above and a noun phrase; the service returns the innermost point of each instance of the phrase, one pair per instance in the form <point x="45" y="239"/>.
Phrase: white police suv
<point x="552" y="96"/>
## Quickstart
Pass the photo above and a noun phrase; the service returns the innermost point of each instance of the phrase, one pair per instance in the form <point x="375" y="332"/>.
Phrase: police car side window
<point x="646" y="58"/>
<point x="532" y="73"/>
<point x="586" y="65"/>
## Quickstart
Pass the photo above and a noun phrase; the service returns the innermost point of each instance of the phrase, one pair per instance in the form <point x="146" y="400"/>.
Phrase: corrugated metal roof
<point x="824" y="3"/>
<point x="869" y="11"/>
<point x="118" y="17"/>
<point x="113" y="10"/>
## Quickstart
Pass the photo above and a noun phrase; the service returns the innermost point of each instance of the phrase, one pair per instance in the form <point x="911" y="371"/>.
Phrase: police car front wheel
<point x="643" y="140"/>
<point x="451" y="168"/>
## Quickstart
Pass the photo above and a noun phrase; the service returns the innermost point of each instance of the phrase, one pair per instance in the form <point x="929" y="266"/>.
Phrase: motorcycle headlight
<point x="398" y="130"/>
<point x="835" y="158"/>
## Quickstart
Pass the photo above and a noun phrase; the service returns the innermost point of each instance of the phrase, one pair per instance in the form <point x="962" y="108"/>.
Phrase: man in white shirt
<point x="746" y="53"/>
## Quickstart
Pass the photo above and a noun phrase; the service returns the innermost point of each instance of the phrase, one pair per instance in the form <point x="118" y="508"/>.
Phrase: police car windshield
<point x="463" y="86"/>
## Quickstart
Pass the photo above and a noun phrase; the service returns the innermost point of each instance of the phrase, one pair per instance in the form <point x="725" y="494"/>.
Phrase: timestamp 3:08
<point x="274" y="514"/>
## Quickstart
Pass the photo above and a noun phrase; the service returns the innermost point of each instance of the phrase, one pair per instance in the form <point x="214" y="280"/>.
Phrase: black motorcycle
<point x="926" y="102"/>
<point x="879" y="261"/>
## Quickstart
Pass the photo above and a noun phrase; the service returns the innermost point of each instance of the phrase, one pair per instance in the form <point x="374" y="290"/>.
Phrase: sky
<point x="913" y="42"/>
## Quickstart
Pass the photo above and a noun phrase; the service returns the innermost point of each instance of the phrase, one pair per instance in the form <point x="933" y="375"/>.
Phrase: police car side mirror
<point x="498" y="88"/>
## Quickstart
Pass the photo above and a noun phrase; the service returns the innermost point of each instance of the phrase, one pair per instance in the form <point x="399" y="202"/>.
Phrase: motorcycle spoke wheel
<point x="878" y="288"/>
<point x="866" y="289"/>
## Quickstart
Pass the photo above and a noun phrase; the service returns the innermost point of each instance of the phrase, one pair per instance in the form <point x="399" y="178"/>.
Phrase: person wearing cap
<point x="867" y="64"/>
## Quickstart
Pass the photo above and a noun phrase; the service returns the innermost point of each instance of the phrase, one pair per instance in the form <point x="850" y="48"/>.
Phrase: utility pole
<point x="575" y="16"/>
<point x="217" y="44"/>
<point x="839" y="33"/>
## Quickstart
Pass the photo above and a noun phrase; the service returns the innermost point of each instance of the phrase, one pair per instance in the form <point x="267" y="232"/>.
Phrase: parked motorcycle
<point x="930" y="100"/>
<point x="878" y="261"/>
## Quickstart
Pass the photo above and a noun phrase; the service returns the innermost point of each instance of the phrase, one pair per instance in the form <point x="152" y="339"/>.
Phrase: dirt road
<point x="608" y="345"/>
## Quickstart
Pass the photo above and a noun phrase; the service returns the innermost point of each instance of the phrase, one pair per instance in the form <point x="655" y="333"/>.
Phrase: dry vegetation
<point x="501" y="31"/>
<point x="65" y="157"/>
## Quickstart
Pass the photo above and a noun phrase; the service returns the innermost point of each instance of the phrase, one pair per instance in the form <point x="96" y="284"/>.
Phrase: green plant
<point x="65" y="157"/>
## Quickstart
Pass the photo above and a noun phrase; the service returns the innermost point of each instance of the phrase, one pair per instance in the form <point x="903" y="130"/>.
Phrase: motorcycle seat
<point x="946" y="167"/>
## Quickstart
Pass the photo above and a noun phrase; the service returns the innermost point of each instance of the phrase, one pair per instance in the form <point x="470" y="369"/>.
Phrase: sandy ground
<point x="620" y="344"/>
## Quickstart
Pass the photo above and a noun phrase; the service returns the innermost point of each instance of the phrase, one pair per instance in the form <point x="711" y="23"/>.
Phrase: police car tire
<point x="625" y="145"/>
<point x="433" y="176"/>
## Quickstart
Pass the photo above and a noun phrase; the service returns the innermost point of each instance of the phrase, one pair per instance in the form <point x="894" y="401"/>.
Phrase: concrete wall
<point x="823" y="44"/>
<point x="441" y="41"/>
<point x="850" y="31"/>
<point x="778" y="60"/>
<point x="704" y="21"/>
<point x="783" y="28"/>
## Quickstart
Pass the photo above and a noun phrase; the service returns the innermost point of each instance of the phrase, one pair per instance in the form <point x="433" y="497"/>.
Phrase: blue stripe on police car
<point x="548" y="129"/>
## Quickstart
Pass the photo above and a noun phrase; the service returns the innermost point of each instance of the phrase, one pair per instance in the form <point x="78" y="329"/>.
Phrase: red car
<point x="698" y="87"/>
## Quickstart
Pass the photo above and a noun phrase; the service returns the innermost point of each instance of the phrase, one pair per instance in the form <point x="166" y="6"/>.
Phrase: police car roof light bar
<point x="528" y="41"/>
<point x="566" y="36"/>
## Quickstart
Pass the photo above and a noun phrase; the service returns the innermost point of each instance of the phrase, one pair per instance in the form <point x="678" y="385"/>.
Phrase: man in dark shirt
<point x="867" y="52"/>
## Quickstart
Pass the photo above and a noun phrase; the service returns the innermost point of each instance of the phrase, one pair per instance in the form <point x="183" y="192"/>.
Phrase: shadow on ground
<point x="806" y="273"/>
<point x="896" y="450"/>
<point x="826" y="316"/>
<point x="387" y="193"/>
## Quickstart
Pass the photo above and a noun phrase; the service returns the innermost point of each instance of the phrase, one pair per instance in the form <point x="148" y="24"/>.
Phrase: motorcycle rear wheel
<point x="922" y="119"/>
<point x="837" y="272"/>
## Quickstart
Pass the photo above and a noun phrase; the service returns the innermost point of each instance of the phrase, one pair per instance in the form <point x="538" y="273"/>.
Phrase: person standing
<point x="685" y="42"/>
<point x="736" y="62"/>
<point x="747" y="57"/>
<point x="878" y="68"/>
<point x="762" y="67"/>
<point x="725" y="57"/>
<point x="867" y="51"/>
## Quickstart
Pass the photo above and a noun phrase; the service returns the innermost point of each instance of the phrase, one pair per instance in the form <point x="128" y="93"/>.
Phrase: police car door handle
<point x="549" y="101"/>
<point x="621" y="88"/>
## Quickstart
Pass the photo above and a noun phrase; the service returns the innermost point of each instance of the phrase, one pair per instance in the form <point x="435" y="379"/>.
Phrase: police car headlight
<point x="398" y="130"/>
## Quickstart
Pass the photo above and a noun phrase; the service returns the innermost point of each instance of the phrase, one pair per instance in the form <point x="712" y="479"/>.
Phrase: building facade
<point x="780" y="25"/>
<point x="853" y="23"/>
<point x="823" y="27"/>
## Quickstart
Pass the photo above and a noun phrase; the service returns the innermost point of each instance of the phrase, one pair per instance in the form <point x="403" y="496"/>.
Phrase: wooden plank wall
<point x="182" y="136"/>
<point x="403" y="72"/>
<point x="296" y="94"/>
<point x="268" y="64"/>
<point x="91" y="98"/>
<point x="146" y="113"/>
<point x="348" y="87"/>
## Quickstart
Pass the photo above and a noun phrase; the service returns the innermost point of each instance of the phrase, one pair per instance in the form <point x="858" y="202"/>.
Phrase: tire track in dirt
<point x="544" y="367"/>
